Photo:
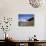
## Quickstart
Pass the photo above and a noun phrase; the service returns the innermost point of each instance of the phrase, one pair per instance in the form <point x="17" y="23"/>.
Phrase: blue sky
<point x="24" y="17"/>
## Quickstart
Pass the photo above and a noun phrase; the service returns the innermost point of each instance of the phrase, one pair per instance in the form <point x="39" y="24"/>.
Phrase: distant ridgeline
<point x="30" y="19"/>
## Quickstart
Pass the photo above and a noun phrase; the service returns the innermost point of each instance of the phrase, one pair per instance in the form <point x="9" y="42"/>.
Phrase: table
<point x="28" y="43"/>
